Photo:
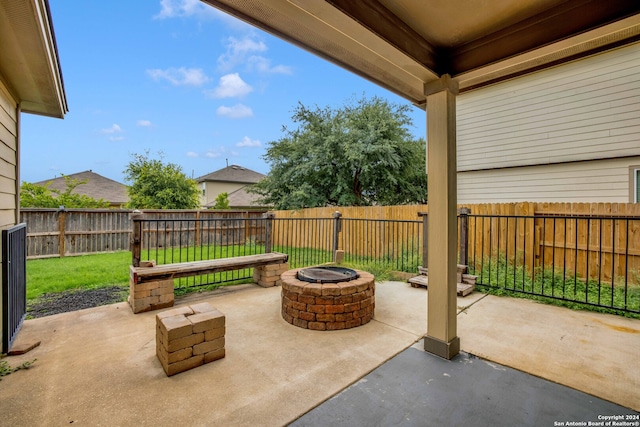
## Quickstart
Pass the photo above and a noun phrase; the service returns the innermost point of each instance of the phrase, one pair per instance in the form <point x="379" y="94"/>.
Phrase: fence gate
<point x="14" y="282"/>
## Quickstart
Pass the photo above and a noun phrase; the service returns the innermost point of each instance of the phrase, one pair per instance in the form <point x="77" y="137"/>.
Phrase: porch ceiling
<point x="404" y="44"/>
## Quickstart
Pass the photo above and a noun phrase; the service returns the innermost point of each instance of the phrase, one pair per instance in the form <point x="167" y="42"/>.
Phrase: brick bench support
<point x="151" y="288"/>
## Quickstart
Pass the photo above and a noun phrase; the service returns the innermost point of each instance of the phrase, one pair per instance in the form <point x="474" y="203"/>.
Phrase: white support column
<point x="442" y="338"/>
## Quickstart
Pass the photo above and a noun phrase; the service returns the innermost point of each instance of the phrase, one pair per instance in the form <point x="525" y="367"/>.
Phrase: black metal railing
<point x="307" y="241"/>
<point x="587" y="260"/>
<point x="14" y="282"/>
<point x="590" y="260"/>
<point x="394" y="245"/>
<point x="168" y="241"/>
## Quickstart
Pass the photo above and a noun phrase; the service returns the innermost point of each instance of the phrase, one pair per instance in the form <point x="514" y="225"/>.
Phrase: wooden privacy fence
<point x="365" y="230"/>
<point x="69" y="232"/>
<point x="596" y="241"/>
<point x="201" y="237"/>
<point x="60" y="232"/>
<point x="542" y="252"/>
<point x="600" y="241"/>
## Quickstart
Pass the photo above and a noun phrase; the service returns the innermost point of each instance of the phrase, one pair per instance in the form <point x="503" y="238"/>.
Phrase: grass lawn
<point x="78" y="272"/>
<point x="499" y="277"/>
<point x="55" y="275"/>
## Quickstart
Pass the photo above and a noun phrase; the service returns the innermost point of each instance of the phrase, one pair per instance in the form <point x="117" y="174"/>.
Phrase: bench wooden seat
<point x="209" y="266"/>
<point x="151" y="288"/>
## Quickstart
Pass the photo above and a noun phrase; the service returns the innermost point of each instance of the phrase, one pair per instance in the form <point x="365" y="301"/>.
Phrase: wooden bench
<point x="151" y="288"/>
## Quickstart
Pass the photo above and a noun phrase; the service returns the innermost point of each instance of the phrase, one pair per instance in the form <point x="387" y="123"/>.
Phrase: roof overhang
<point x="29" y="63"/>
<point x="403" y="45"/>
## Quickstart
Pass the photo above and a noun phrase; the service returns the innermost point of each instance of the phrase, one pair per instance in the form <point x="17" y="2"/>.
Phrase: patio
<point x="98" y="366"/>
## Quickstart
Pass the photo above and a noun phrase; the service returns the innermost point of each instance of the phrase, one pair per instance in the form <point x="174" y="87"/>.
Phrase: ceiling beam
<point x="559" y="23"/>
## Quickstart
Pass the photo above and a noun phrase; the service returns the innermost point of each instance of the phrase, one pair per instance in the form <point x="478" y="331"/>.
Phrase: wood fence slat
<point x="53" y="233"/>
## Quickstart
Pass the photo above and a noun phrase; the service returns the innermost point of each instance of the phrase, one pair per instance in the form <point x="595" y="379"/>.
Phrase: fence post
<point x="425" y="240"/>
<point x="136" y="238"/>
<point x="269" y="216"/>
<point x="463" y="253"/>
<point x="337" y="229"/>
<point x="62" y="226"/>
<point x="247" y="234"/>
<point x="198" y="226"/>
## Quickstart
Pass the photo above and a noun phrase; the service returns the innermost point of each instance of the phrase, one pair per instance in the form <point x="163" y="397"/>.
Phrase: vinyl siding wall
<point x="594" y="181"/>
<point x="8" y="157"/>
<point x="8" y="164"/>
<point x="215" y="188"/>
<point x="584" y="110"/>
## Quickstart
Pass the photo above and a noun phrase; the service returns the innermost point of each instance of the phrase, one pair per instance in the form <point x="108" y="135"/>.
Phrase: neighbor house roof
<point x="29" y="60"/>
<point x="233" y="173"/>
<point x="98" y="187"/>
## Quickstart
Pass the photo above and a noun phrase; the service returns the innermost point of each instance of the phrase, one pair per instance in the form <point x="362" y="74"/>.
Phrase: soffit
<point x="29" y="62"/>
<point x="404" y="44"/>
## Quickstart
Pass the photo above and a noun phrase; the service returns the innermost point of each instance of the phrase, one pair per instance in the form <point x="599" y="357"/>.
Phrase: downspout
<point x="17" y="180"/>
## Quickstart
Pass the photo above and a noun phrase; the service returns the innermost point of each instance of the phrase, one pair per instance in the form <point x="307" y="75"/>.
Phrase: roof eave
<point x="29" y="63"/>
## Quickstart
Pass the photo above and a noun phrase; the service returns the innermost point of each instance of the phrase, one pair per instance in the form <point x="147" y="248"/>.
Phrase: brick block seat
<point x="151" y="288"/>
<point x="190" y="336"/>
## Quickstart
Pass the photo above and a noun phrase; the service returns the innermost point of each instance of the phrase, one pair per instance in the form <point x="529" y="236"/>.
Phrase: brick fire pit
<point x="328" y="306"/>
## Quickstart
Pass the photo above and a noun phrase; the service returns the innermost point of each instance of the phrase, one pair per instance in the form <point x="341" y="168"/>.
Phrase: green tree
<point x="360" y="154"/>
<point x="41" y="196"/>
<point x="159" y="185"/>
<point x="222" y="201"/>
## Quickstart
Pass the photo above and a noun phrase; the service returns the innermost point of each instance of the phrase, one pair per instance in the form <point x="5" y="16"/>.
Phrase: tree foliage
<point x="358" y="155"/>
<point x="41" y="196"/>
<point x="159" y="185"/>
<point x="222" y="201"/>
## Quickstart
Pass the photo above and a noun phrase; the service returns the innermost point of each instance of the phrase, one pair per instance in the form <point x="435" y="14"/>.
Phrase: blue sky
<point x="177" y="77"/>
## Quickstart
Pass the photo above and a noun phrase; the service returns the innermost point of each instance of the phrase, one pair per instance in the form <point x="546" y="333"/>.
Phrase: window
<point x="636" y="182"/>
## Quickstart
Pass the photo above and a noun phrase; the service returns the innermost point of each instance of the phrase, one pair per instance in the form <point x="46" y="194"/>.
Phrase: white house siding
<point x="605" y="180"/>
<point x="588" y="109"/>
<point x="8" y="157"/>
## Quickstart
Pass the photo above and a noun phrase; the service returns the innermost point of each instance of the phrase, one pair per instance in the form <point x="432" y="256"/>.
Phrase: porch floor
<point x="98" y="367"/>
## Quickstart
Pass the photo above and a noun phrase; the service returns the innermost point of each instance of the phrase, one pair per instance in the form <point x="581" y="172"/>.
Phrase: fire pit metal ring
<point x="327" y="274"/>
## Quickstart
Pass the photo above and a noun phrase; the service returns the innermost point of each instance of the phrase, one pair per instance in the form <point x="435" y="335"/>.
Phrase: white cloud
<point x="186" y="8"/>
<point x="113" y="129"/>
<point x="230" y="86"/>
<point x="248" y="142"/>
<point x="192" y="154"/>
<point x="144" y="123"/>
<point x="263" y="65"/>
<point x="238" y="50"/>
<point x="238" y="111"/>
<point x="116" y="138"/>
<point x="244" y="51"/>
<point x="212" y="154"/>
<point x="180" y="76"/>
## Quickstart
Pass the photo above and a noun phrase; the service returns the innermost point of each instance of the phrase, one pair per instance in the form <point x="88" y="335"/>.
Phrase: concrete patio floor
<point x="98" y="366"/>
